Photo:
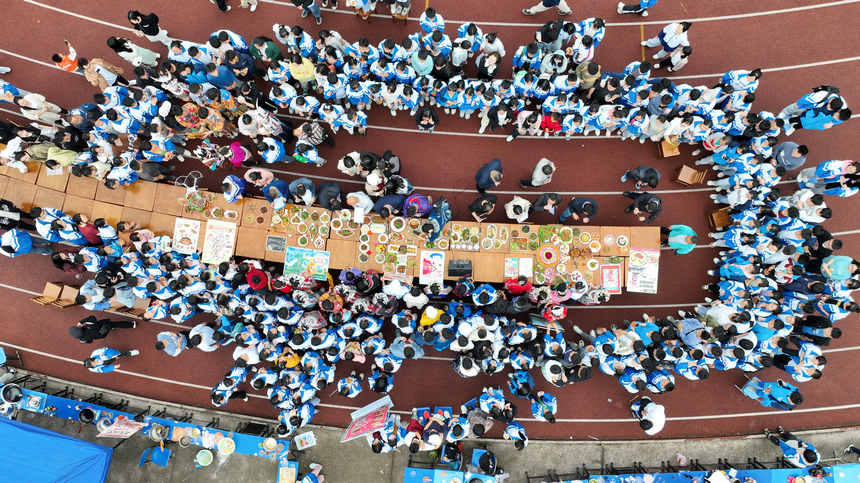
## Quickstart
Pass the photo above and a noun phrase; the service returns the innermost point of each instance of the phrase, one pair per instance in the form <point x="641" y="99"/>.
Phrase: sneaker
<point x="245" y="398"/>
<point x="565" y="14"/>
<point x="849" y="449"/>
<point x="319" y="21"/>
<point x="134" y="352"/>
<point x="620" y="6"/>
<point x="682" y="313"/>
<point x="710" y="272"/>
<point x="644" y="13"/>
<point x="713" y="197"/>
<point x="624" y="177"/>
<point x="253" y="7"/>
<point x="696" y="152"/>
<point x="314" y="466"/>
<point x="780" y="429"/>
<point x="304" y="13"/>
<point x="711" y="183"/>
<point x="133" y="324"/>
<point x="229" y="7"/>
<point x="324" y="3"/>
<point x="509" y="138"/>
<point x="716" y="260"/>
<point x="643" y="43"/>
<point x="527" y="12"/>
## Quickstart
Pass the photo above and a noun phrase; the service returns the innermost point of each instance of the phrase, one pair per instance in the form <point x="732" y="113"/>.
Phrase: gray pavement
<point x="353" y="462"/>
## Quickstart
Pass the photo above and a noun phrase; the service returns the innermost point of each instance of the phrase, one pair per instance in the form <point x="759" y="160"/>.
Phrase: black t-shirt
<point x="476" y="206"/>
<point x="148" y="24"/>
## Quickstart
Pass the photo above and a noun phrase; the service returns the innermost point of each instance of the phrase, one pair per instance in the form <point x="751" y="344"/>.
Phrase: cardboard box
<point x="56" y="182"/>
<point x="251" y="242"/>
<point x="84" y="187"/>
<point x="140" y="195"/>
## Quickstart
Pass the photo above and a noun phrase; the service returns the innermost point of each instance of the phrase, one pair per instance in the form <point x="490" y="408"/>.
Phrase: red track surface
<point x="449" y="162"/>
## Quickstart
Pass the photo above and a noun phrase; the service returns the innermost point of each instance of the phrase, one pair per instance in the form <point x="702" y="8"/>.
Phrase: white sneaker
<point x="710" y="272"/>
<point x="713" y="196"/>
<point x="253" y="7"/>
<point x="134" y="352"/>
<point x="133" y="324"/>
<point x="314" y="466"/>
<point x="643" y="43"/>
<point x="509" y="138"/>
<point x="620" y="6"/>
<point x="644" y="14"/>
<point x="696" y="152"/>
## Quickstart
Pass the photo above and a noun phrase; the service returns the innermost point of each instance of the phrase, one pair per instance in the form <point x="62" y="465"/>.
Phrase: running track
<point x="732" y="34"/>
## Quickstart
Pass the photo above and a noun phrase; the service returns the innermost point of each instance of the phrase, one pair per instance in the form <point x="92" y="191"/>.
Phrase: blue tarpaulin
<point x="31" y="453"/>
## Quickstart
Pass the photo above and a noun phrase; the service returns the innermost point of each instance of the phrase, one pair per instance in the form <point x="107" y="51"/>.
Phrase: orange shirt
<point x="68" y="64"/>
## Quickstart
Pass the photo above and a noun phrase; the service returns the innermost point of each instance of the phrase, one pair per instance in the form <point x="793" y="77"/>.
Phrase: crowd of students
<point x="780" y="291"/>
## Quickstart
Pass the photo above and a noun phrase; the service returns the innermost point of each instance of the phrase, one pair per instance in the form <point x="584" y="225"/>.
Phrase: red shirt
<point x="263" y="279"/>
<point x="514" y="287"/>
<point x="548" y="124"/>
<point x="91" y="233"/>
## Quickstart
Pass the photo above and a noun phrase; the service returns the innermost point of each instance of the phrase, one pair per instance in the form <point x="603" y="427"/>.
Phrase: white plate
<point x="622" y="241"/>
<point x="402" y="220"/>
<point x="592" y="265"/>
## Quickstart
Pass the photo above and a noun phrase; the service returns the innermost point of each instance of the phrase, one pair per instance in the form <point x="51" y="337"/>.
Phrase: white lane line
<point x="146" y="376"/>
<point x="610" y="24"/>
<point x="775" y="69"/>
<point x="35" y="61"/>
<point x="658" y="22"/>
<point x="472" y="134"/>
<point x="349" y="408"/>
<point x="73" y="14"/>
<point x="160" y="322"/>
<point x="467" y="190"/>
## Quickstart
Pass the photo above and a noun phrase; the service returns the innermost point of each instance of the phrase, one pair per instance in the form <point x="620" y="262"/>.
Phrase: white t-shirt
<point x="655" y="413"/>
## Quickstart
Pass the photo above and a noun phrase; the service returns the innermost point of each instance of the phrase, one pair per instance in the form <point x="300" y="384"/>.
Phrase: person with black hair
<point x="796" y="451"/>
<point x="89" y="328"/>
<point x="651" y="416"/>
<point x="645" y="206"/>
<point x="670" y="38"/>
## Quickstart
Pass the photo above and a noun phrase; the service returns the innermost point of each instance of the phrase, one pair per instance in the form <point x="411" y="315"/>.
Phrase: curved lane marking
<point x="351" y="408"/>
<point x="608" y="24"/>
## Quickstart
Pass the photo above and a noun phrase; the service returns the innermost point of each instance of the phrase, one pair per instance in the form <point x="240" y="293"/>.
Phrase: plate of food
<point x="303" y="241"/>
<point x="584" y="237"/>
<point x="398" y="224"/>
<point x="336" y="224"/>
<point x="319" y="243"/>
<point x="486" y="244"/>
<point x="383" y="238"/>
<point x="566" y="234"/>
<point x="491" y="231"/>
<point x="443" y="244"/>
<point x="325" y="217"/>
<point x="622" y="241"/>
<point x="231" y="215"/>
<point x="379" y="258"/>
<point x="594" y="246"/>
<point x="592" y="265"/>
<point x="363" y="257"/>
<point x="364" y="238"/>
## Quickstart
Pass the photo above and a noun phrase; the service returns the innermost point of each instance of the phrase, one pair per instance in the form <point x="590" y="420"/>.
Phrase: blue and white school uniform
<point x="428" y="25"/>
<point x="101" y="356"/>
<point x="236" y="190"/>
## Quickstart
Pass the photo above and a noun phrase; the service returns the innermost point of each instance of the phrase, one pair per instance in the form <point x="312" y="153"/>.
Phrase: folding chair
<point x="720" y="219"/>
<point x="689" y="176"/>
<point x="444" y="411"/>
<point x="139" y="308"/>
<point x="50" y="294"/>
<point x="419" y="414"/>
<point x="157" y="455"/>
<point x="67" y="297"/>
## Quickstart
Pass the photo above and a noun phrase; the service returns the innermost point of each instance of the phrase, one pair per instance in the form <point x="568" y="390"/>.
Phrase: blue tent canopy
<point x="31" y="453"/>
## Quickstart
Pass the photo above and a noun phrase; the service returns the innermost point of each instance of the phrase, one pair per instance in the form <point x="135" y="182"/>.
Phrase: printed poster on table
<point x="185" y="235"/>
<point x="431" y="266"/>
<point x="643" y="267"/>
<point x="307" y="262"/>
<point x="219" y="242"/>
<point x="610" y="277"/>
<point x="121" y="428"/>
<point x="368" y="419"/>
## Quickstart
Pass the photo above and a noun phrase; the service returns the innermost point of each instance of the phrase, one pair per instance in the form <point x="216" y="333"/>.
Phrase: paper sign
<point x="526" y="267"/>
<point x="121" y="428"/>
<point x="307" y="262"/>
<point x="643" y="267"/>
<point x="220" y="241"/>
<point x="305" y="440"/>
<point x="431" y="266"/>
<point x="368" y="419"/>
<point x="186" y="232"/>
<point x="610" y="278"/>
<point x="512" y="267"/>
